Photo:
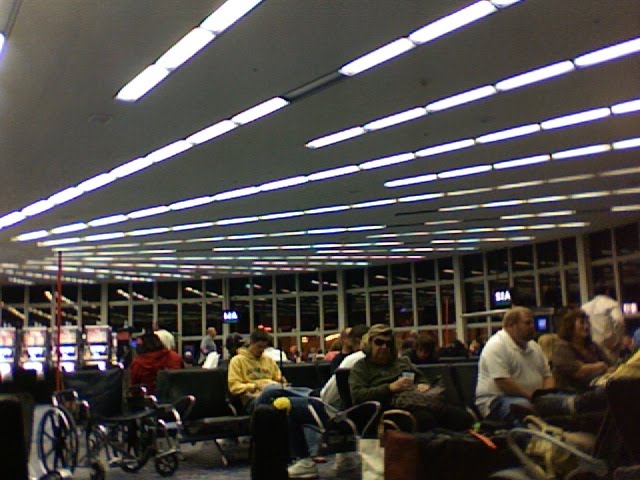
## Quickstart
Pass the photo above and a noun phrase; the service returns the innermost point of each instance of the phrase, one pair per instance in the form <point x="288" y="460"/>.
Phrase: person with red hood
<point x="152" y="357"/>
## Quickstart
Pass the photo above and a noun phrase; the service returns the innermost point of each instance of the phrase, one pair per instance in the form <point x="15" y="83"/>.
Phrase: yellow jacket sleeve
<point x="237" y="379"/>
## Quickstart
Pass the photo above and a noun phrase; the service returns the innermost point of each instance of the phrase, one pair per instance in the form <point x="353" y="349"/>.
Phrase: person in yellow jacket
<point x="251" y="372"/>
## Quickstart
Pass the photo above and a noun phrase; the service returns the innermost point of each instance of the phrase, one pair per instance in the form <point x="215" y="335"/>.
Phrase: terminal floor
<point x="200" y="462"/>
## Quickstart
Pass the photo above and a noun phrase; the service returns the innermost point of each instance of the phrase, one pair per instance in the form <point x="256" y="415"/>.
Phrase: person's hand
<point x="602" y="368"/>
<point x="423" y="387"/>
<point x="401" y="385"/>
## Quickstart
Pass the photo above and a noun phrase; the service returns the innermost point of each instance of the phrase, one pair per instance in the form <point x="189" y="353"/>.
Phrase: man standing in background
<point x="208" y="344"/>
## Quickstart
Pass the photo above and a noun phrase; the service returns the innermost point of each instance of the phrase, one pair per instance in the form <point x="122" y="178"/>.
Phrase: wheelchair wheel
<point x="136" y="446"/>
<point x="167" y="464"/>
<point x="57" y="441"/>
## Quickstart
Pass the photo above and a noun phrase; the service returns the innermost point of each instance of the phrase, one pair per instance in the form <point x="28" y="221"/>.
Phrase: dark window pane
<point x="192" y="289"/>
<point x="497" y="262"/>
<point x="239" y="286"/>
<point x="118" y="316"/>
<point x="401" y="274"/>
<point x="309" y="282"/>
<point x="569" y="251"/>
<point x="379" y="304"/>
<point x="213" y="312"/>
<point x="356" y="309"/>
<point x="213" y="288"/>
<point x="330" y="311"/>
<point x="142" y="291"/>
<point x="329" y="281"/>
<point x="630" y="281"/>
<point x="427" y="306"/>
<point x="354" y="278"/>
<point x="91" y="293"/>
<point x="285" y="283"/>
<point x="602" y="277"/>
<point x="309" y="314"/>
<point x="627" y="239"/>
<point x="600" y="244"/>
<point x="474" y="297"/>
<point x="15" y="317"/>
<point x="445" y="268"/>
<point x="167" y="290"/>
<point x="448" y="304"/>
<point x="286" y="314"/>
<point x="168" y="317"/>
<point x="37" y="294"/>
<point x="70" y="292"/>
<point x="39" y="316"/>
<point x="143" y="317"/>
<point x="262" y="285"/>
<point x="550" y="289"/>
<point x="90" y="313"/>
<point x="378" y="276"/>
<point x="402" y="308"/>
<point x="472" y="265"/>
<point x="263" y="313"/>
<point x="524" y="291"/>
<point x="244" y="316"/>
<point x="425" y="271"/>
<point x="118" y="292"/>
<point x="522" y="258"/>
<point x="548" y="254"/>
<point x="11" y="294"/>
<point x="573" y="288"/>
<point x="191" y="319"/>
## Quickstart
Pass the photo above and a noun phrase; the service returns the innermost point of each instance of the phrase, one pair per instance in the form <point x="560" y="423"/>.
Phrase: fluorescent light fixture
<point x="504" y="3"/>
<point x="142" y="83"/>
<point x="509" y="133"/>
<point x="386" y="161"/>
<point x="458" y="208"/>
<point x="104" y="236"/>
<point x="608" y="53"/>
<point x="169" y="151"/>
<point x="2" y="42"/>
<point x="336" y="137"/>
<point x="96" y="182"/>
<point x="502" y="203"/>
<point x="402" y="182"/>
<point x="624" y="144"/>
<point x="420" y="198"/>
<point x="461" y="172"/>
<point x="534" y="76"/>
<point x="284" y="183"/>
<point x="240" y="192"/>
<point x="324" y="231"/>
<point x="277" y="216"/>
<point x="550" y="198"/>
<point x="452" y="22"/>
<point x="236" y="221"/>
<point x="626" y="208"/>
<point x="442" y="222"/>
<point x="25" y="237"/>
<point x="627" y="191"/>
<point x="65" y="195"/>
<point x="581" y="152"/>
<point x="193" y="202"/>
<point x="185" y="48"/>
<point x="37" y="207"/>
<point x="396" y="119"/>
<point x="148" y="231"/>
<point x="595" y="194"/>
<point x="626" y="107"/>
<point x="211" y="132"/>
<point x="377" y="56"/>
<point x="469" y="191"/>
<point x="131" y="167"/>
<point x="191" y="226"/>
<point x="461" y="98"/>
<point x="571" y="178"/>
<point x="575" y="118"/>
<point x="447" y="147"/>
<point x="74" y="227"/>
<point x="148" y="212"/>
<point x="336" y="208"/>
<point x="62" y="241"/>
<point x="621" y="171"/>
<point x="520" y="162"/>
<point x="261" y="110"/>
<point x="99" y="222"/>
<point x="375" y="203"/>
<point x="558" y="213"/>
<point x="228" y="14"/>
<point x="334" y="172"/>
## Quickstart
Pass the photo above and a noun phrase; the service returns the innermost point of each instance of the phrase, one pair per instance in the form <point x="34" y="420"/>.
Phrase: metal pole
<point x="58" y="371"/>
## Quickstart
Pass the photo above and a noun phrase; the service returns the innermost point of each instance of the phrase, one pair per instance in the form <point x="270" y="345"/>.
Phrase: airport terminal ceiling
<point x="490" y="124"/>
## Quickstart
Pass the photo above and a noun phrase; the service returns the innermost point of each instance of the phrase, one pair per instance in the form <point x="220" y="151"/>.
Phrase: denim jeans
<point x="548" y="404"/>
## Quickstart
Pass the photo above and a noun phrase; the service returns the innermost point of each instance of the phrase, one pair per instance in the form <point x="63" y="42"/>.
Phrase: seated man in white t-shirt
<point x="512" y="367"/>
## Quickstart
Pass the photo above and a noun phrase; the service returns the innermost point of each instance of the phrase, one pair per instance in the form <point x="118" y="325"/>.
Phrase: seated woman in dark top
<point x="576" y="360"/>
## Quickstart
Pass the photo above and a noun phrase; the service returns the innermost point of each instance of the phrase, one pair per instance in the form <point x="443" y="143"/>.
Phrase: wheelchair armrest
<point x="181" y="408"/>
<point x="371" y="404"/>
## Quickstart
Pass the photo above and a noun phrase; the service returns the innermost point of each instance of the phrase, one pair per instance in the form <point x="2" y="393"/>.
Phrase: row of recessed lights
<point x="425" y="34"/>
<point x="540" y="74"/>
<point x="573" y="153"/>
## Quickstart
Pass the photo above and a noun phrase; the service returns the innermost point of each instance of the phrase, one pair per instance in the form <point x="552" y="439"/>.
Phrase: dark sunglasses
<point x="380" y="342"/>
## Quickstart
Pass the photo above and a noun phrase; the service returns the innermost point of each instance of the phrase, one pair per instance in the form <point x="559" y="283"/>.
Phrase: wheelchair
<point x="71" y="436"/>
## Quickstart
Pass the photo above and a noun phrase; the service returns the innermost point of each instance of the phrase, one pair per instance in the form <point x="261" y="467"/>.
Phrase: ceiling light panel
<point x="377" y="57"/>
<point x="608" y="53"/>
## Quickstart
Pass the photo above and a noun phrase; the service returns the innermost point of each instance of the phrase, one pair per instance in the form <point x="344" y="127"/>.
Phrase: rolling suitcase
<point x="269" y="444"/>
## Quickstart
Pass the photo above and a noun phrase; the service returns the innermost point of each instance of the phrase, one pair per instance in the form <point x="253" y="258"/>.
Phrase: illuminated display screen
<point x="230" y="316"/>
<point x="97" y="335"/>
<point x="68" y="336"/>
<point x="6" y="354"/>
<point x="501" y="298"/>
<point x="34" y="338"/>
<point x="36" y="353"/>
<point x="98" y="351"/>
<point x="7" y="337"/>
<point x="68" y="353"/>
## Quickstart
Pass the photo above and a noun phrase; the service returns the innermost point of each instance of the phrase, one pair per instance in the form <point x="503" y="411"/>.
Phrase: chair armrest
<point x="356" y="409"/>
<point x="233" y="409"/>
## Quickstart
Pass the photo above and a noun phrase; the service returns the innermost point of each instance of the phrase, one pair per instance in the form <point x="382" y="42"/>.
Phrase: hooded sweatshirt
<point x="248" y="373"/>
<point x="145" y="367"/>
<point x="607" y="323"/>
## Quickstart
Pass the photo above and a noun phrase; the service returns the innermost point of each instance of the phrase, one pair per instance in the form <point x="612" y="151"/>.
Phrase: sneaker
<point x="303" y="468"/>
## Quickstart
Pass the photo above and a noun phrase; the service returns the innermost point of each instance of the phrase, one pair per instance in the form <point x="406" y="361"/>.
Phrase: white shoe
<point x="303" y="468"/>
